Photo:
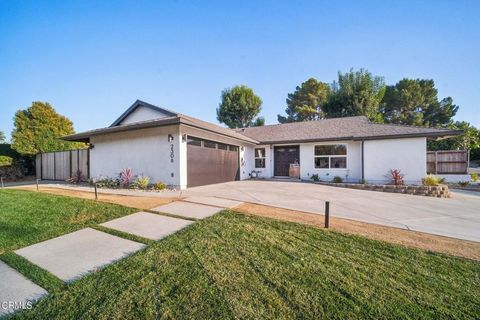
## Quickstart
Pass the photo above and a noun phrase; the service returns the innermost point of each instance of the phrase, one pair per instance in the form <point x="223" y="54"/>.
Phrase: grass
<point x="30" y="217"/>
<point x="38" y="275"/>
<point x="237" y="266"/>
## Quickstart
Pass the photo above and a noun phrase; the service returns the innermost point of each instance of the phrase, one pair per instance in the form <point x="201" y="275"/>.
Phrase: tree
<point x="415" y="102"/>
<point x="239" y="107"/>
<point x="469" y="140"/>
<point x="258" y="122"/>
<point x="38" y="129"/>
<point x="356" y="93"/>
<point x="306" y="102"/>
<point x="2" y="137"/>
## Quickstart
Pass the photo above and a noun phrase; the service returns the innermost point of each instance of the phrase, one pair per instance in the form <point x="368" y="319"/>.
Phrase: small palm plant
<point x="126" y="177"/>
<point x="76" y="178"/>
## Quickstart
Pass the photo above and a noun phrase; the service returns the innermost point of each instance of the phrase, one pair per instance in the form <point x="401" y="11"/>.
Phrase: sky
<point x="92" y="59"/>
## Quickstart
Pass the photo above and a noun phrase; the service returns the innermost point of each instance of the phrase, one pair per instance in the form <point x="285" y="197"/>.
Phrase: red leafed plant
<point x="126" y="177"/>
<point x="397" y="177"/>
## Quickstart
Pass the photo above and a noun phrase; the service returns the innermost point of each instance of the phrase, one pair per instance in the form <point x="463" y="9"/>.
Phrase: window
<point x="194" y="141"/>
<point x="232" y="148"/>
<point x="222" y="146"/>
<point x="209" y="144"/>
<point x="331" y="156"/>
<point x="260" y="157"/>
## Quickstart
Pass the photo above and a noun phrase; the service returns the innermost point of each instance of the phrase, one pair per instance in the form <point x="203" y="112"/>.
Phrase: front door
<point x="283" y="157"/>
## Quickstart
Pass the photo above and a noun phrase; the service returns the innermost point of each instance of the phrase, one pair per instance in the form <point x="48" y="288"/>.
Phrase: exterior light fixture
<point x="170" y="138"/>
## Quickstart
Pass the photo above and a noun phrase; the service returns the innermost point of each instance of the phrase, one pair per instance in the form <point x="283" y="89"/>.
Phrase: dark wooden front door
<point x="283" y="157"/>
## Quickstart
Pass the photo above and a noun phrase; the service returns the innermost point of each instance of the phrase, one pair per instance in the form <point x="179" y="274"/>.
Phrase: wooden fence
<point x="447" y="162"/>
<point x="62" y="165"/>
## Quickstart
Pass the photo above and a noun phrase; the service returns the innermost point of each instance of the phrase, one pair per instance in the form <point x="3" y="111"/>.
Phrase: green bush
<point x="107" y="183"/>
<point x="464" y="183"/>
<point x="432" y="180"/>
<point x="159" y="186"/>
<point x="141" y="182"/>
<point x="474" y="176"/>
<point x="5" y="161"/>
<point x="315" y="177"/>
<point x="337" y="179"/>
<point x="363" y="181"/>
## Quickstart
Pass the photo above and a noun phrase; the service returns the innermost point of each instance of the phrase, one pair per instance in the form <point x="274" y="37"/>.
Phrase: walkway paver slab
<point x="16" y="291"/>
<point x="214" y="201"/>
<point x="188" y="209"/>
<point x="148" y="225"/>
<point x="78" y="253"/>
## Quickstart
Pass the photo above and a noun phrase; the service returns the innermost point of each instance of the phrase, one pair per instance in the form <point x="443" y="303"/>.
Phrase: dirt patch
<point x="424" y="241"/>
<point x="127" y="201"/>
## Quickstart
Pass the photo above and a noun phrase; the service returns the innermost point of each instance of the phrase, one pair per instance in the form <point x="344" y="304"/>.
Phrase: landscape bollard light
<point x="1" y="179"/>
<point x="96" y="193"/>
<point x="327" y="214"/>
<point x="37" y="183"/>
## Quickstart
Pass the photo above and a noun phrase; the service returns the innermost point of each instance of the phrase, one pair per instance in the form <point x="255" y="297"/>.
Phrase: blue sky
<point x="92" y="59"/>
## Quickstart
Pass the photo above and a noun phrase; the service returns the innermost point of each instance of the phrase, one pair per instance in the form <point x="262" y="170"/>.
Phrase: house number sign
<point x="172" y="154"/>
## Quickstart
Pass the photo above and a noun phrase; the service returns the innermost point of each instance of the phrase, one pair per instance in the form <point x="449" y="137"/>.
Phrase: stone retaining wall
<point x="428" y="191"/>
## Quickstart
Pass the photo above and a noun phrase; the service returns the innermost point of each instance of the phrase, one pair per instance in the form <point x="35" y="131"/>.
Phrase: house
<point x="183" y="151"/>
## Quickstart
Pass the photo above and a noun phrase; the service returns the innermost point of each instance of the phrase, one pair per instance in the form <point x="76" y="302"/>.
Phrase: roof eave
<point x="81" y="137"/>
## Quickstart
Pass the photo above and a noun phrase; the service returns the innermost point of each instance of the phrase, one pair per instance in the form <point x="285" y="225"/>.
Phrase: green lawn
<point x="30" y="217"/>
<point x="235" y="266"/>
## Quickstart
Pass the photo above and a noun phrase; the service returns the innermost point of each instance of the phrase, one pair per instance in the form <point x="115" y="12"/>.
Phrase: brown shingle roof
<point x="349" y="128"/>
<point x="173" y="119"/>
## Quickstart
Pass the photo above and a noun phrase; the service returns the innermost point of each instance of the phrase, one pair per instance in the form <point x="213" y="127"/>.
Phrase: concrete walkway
<point x="76" y="254"/>
<point x="79" y="253"/>
<point x="16" y="291"/>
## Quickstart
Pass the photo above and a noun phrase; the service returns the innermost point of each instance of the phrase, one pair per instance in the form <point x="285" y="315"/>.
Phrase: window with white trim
<point x="332" y="156"/>
<point x="260" y="158"/>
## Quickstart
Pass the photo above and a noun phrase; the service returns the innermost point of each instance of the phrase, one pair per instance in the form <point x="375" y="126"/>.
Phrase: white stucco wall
<point x="352" y="173"/>
<point x="145" y="151"/>
<point x="408" y="155"/>
<point x="142" y="114"/>
<point x="307" y="164"/>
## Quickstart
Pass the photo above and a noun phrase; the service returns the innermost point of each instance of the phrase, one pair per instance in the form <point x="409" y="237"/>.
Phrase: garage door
<point x="210" y="162"/>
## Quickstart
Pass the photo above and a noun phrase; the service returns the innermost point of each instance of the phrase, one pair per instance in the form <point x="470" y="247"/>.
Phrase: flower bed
<point x="440" y="191"/>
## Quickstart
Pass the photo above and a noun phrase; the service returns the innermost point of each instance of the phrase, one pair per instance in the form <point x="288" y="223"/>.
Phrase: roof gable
<point x="141" y="111"/>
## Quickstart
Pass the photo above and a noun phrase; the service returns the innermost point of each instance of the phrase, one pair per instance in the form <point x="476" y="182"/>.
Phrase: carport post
<point x="327" y="214"/>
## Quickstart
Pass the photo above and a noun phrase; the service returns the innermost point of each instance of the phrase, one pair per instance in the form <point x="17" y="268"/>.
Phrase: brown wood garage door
<point x="211" y="162"/>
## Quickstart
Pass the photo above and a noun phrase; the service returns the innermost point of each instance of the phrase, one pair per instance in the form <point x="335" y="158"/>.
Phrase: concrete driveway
<point x="458" y="217"/>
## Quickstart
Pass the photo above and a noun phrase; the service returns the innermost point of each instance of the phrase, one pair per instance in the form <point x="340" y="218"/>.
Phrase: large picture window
<point x="333" y="156"/>
<point x="260" y="157"/>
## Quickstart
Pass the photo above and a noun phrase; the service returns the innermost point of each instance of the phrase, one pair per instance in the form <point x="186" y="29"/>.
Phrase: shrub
<point x="464" y="183"/>
<point x="105" y="182"/>
<point x="315" y="177"/>
<point x="337" y="179"/>
<point x="126" y="177"/>
<point x="396" y="177"/>
<point x="362" y="181"/>
<point x="159" y="186"/>
<point x="141" y="182"/>
<point x="76" y="178"/>
<point x="12" y="172"/>
<point x="474" y="176"/>
<point x="6" y="161"/>
<point x="431" y="180"/>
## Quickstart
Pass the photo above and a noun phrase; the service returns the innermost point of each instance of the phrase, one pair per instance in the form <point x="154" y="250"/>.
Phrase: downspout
<point x="363" y="161"/>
